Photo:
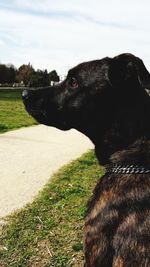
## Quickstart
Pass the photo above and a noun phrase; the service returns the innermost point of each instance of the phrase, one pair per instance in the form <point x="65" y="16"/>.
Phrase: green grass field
<point x="49" y="232"/>
<point x="12" y="111"/>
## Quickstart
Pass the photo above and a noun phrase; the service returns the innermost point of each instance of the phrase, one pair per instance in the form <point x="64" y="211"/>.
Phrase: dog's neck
<point x="127" y="140"/>
<point x="137" y="154"/>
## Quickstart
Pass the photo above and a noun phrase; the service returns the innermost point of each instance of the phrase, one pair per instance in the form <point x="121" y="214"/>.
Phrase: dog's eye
<point x="73" y="83"/>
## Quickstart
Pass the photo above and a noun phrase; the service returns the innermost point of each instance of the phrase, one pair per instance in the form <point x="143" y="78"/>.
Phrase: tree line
<point x="26" y="75"/>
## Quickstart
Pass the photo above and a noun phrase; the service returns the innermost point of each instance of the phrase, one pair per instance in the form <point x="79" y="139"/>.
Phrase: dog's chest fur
<point x="118" y="220"/>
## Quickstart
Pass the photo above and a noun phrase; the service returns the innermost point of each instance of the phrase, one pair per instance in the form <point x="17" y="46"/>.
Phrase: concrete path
<point x="29" y="156"/>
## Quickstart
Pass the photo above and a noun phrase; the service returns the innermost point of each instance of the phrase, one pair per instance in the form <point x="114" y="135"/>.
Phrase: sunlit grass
<point x="12" y="112"/>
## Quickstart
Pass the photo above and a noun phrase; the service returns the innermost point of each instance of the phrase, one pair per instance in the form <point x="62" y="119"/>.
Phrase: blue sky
<point x="60" y="34"/>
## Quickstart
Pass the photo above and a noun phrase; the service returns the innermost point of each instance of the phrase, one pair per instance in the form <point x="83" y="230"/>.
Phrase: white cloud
<point x="59" y="34"/>
<point x="108" y="11"/>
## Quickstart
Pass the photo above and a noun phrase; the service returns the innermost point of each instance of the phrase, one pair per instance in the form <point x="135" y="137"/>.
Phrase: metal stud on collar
<point x="127" y="169"/>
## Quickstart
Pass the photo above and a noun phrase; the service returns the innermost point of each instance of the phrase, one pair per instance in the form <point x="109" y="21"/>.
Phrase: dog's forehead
<point x="87" y="68"/>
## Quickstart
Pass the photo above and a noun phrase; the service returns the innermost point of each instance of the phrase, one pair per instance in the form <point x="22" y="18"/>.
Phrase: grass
<point x="49" y="232"/>
<point x="12" y="111"/>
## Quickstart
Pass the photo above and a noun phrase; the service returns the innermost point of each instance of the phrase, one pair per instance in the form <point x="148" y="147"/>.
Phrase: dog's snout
<point x="25" y="94"/>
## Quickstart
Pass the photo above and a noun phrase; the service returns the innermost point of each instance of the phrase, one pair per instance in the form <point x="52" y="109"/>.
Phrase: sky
<point x="59" y="34"/>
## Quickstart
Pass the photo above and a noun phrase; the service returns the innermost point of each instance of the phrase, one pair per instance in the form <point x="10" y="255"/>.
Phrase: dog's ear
<point x="126" y="68"/>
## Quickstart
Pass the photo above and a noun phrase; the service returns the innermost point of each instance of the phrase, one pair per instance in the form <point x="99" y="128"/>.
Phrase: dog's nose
<point x="25" y="94"/>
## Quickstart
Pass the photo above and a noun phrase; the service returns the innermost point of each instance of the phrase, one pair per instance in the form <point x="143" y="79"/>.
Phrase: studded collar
<point x="127" y="169"/>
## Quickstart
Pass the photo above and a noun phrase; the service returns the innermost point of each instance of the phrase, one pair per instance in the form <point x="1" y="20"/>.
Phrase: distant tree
<point x="39" y="78"/>
<point x="12" y="71"/>
<point x="3" y="73"/>
<point x="24" y="73"/>
<point x="53" y="76"/>
<point x="7" y="73"/>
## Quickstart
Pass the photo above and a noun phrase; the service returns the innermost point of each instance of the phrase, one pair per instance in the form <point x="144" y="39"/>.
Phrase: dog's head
<point x="91" y="95"/>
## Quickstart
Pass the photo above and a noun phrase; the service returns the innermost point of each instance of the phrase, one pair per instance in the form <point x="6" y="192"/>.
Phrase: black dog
<point x="107" y="101"/>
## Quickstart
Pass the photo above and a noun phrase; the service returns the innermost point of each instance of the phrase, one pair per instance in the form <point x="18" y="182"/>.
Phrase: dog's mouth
<point x="38" y="114"/>
<point x="46" y="114"/>
<point x="35" y="108"/>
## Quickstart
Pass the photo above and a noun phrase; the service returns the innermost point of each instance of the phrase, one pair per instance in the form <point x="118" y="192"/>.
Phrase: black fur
<point x="107" y="101"/>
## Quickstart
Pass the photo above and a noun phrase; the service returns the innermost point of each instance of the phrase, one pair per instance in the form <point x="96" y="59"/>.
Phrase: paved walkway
<point x="29" y="156"/>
